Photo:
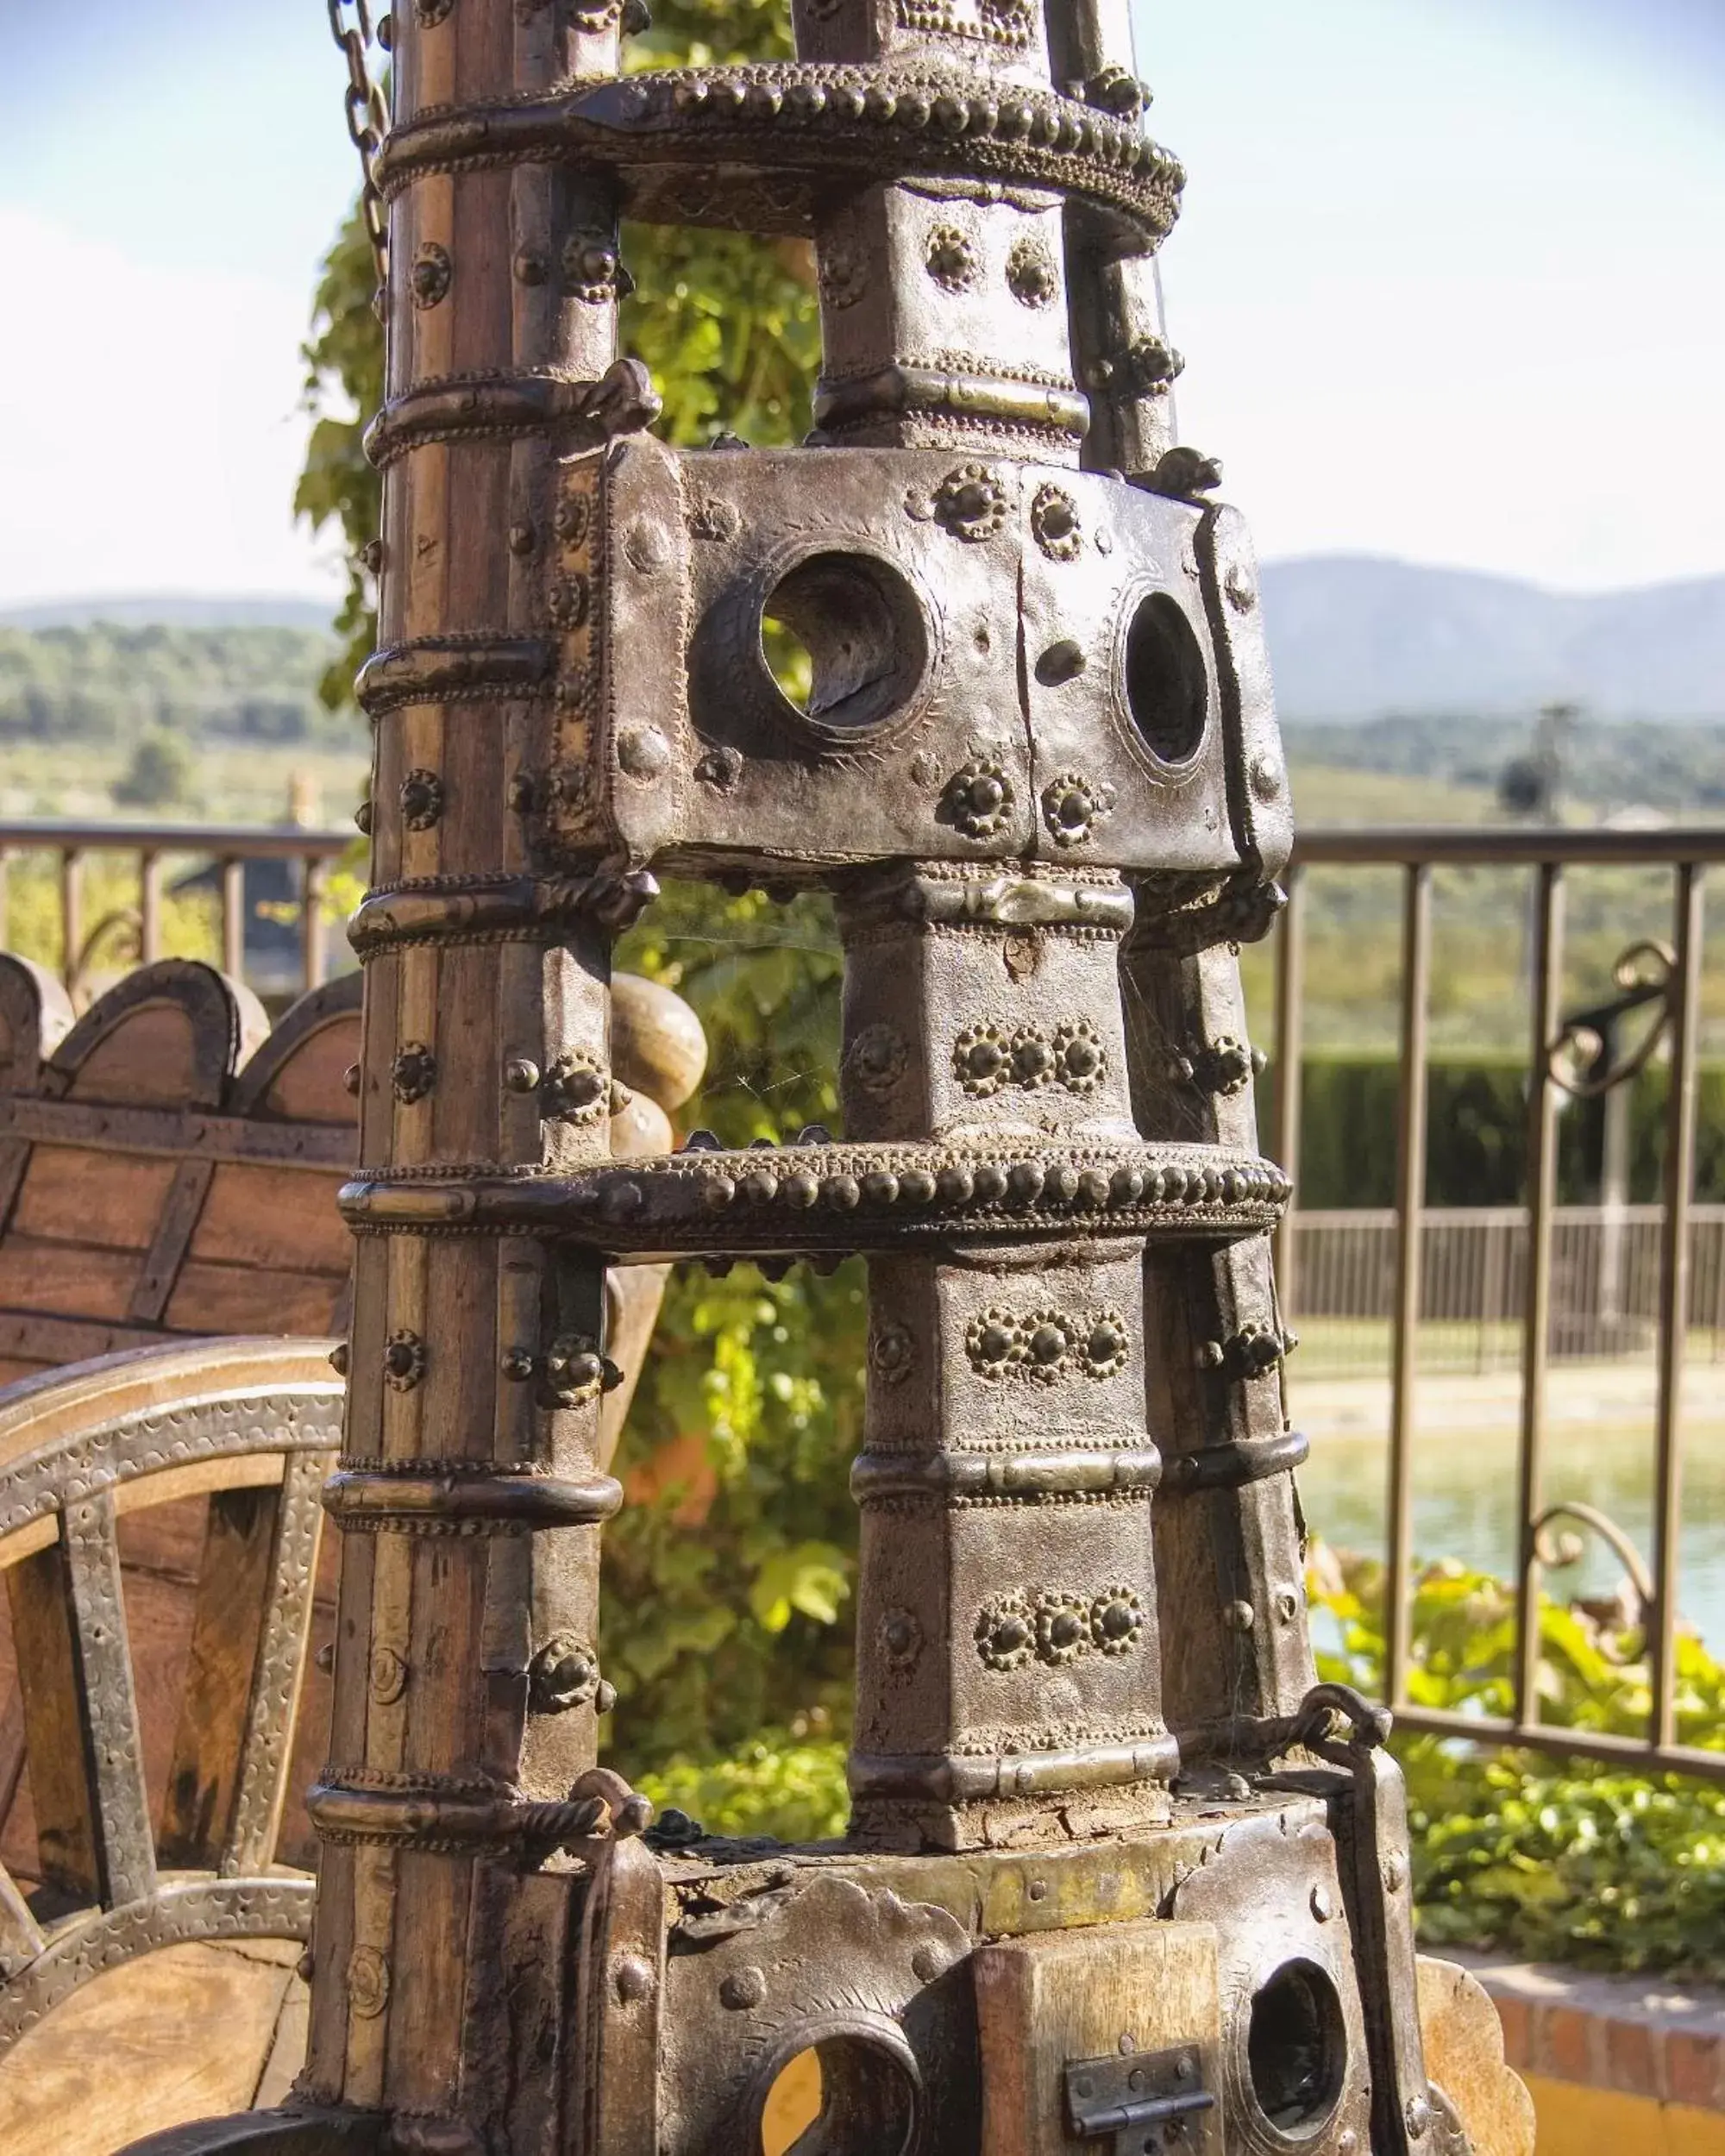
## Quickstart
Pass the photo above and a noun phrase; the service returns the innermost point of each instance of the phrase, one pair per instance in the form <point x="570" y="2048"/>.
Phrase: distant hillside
<point x="1355" y="636"/>
<point x="172" y="611"/>
<point x="1352" y="637"/>
<point x="108" y="682"/>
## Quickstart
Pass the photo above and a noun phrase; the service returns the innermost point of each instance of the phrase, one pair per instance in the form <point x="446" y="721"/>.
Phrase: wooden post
<point x="470" y="1503"/>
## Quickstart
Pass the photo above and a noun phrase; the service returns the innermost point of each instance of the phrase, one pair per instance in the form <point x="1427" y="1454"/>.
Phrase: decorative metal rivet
<point x="991" y="1342"/>
<point x="978" y="799"/>
<point x="742" y="1989"/>
<point x="368" y="1982"/>
<point x="413" y="1073"/>
<point x="430" y="277"/>
<point x="1416" y="2115"/>
<point x="1005" y="1633"/>
<point x="720" y="768"/>
<point x="593" y="270"/>
<point x="362" y="818"/>
<point x="646" y="547"/>
<point x="1394" y="1874"/>
<point x="519" y="1364"/>
<point x="642" y="752"/>
<point x="1240" y="1616"/>
<point x="531" y="267"/>
<point x="1031" y="276"/>
<point x="981" y="1061"/>
<point x="632" y="1978"/>
<point x="970" y="502"/>
<point x="891" y="1354"/>
<point x="1025" y="1179"/>
<point x="1287" y="1607"/>
<point x="386" y="1676"/>
<point x="843" y="275"/>
<point x="576" y="1372"/>
<point x="1055" y="523"/>
<point x="562" y="1674"/>
<point x="1081" y="1061"/>
<point x="932" y="1958"/>
<point x="576" y="1089"/>
<point x="569" y="600"/>
<point x="881" y="1187"/>
<point x="1072" y="806"/>
<point x="371" y="554"/>
<point x="1032" y="1059"/>
<point x="422" y="799"/>
<point x="901" y="1638"/>
<point x="1062" y="1628"/>
<point x="521" y="1074"/>
<point x="1105" y="1350"/>
<point x="571" y="519"/>
<point x="521" y="793"/>
<point x="338" y="1358"/>
<point x="404" y="1360"/>
<point x="522" y="538"/>
<point x="950" y="257"/>
<point x="1241" y="590"/>
<point x="305" y="1966"/>
<point x="1265" y="775"/>
<point x="877" y="1058"/>
<point x="352" y="1078"/>
<point x="1323" y="1908"/>
<point x="1117" y="1617"/>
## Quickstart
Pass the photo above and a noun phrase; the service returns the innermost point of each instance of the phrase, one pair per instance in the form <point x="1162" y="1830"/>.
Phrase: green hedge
<point x="1477" y="1141"/>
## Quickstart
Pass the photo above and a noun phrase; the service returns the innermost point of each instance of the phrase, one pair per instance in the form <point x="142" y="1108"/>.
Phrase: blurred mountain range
<point x="1358" y="636"/>
<point x="1352" y="637"/>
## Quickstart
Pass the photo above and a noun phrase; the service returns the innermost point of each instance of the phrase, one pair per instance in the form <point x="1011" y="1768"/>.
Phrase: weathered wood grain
<point x="1102" y="1991"/>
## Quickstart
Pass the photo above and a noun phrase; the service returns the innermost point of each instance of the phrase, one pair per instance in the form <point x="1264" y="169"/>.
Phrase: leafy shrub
<point x="1566" y="1861"/>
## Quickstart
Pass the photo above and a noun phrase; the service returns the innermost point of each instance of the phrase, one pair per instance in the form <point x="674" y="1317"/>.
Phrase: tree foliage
<point x="110" y="682"/>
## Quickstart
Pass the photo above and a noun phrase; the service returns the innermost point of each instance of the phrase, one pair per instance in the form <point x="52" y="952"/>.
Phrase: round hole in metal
<point x="1296" y="2048"/>
<point x="844" y="637"/>
<point x="849" y="2093"/>
<point x="1166" y="691"/>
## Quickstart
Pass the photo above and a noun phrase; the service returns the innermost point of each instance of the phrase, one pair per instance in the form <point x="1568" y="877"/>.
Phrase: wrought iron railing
<point x="1663" y="982"/>
<point x="226" y="850"/>
<point x="1663" y="1247"/>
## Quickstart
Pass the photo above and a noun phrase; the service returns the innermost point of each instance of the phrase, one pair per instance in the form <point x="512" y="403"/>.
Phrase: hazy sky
<point x="1448" y="281"/>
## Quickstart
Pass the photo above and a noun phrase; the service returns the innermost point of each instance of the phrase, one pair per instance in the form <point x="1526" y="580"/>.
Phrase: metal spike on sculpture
<point x="1120" y="1874"/>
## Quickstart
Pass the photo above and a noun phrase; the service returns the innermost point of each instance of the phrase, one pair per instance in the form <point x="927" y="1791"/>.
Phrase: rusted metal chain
<point x="367" y="115"/>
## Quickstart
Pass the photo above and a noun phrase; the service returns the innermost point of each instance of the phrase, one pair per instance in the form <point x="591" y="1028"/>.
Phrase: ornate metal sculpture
<point x="1038" y="766"/>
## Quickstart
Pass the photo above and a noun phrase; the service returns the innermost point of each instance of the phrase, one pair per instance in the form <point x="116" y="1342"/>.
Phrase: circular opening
<point x="842" y="637"/>
<point x="1296" y="2048"/>
<point x="847" y="2095"/>
<point x="1167" y="693"/>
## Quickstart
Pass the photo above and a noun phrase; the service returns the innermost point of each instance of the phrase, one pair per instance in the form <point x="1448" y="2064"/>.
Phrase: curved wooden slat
<point x="169" y="1035"/>
<point x="299" y="1074"/>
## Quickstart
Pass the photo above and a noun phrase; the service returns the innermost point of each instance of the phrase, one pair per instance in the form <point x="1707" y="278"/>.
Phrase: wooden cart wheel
<point x="156" y="1821"/>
